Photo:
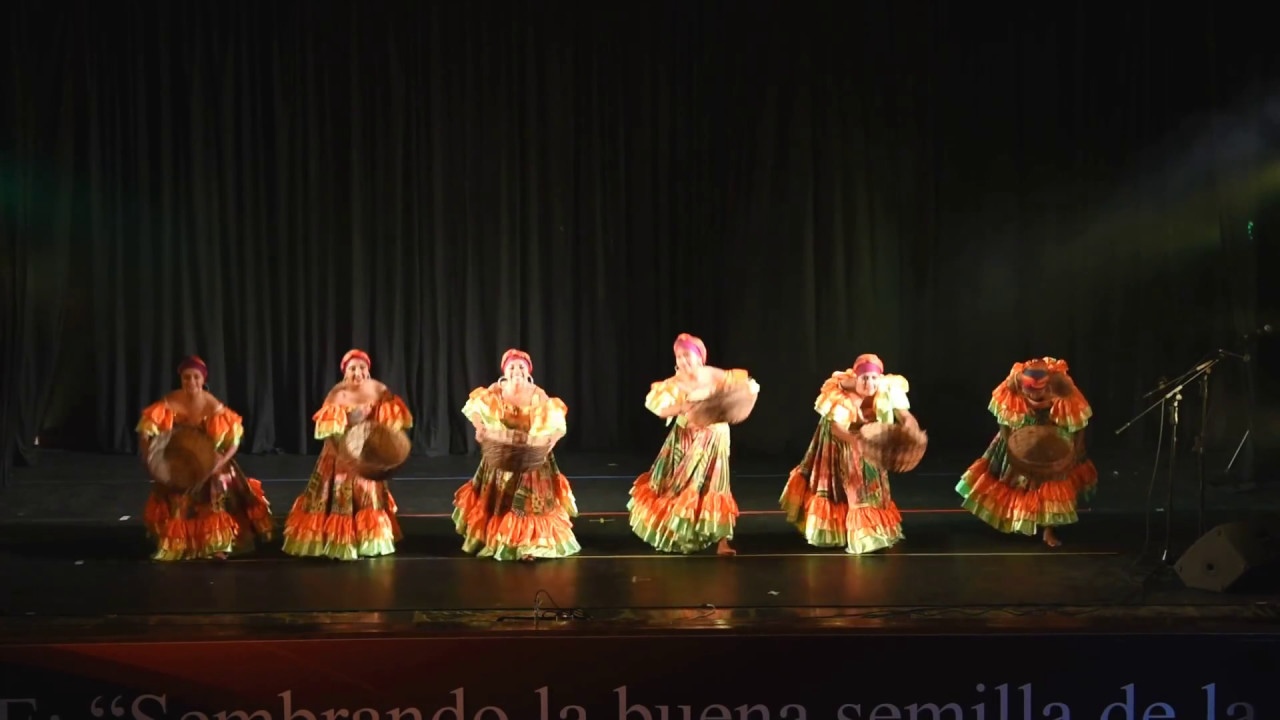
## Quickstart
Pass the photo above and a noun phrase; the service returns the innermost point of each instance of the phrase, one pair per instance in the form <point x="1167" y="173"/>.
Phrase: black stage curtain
<point x="950" y="186"/>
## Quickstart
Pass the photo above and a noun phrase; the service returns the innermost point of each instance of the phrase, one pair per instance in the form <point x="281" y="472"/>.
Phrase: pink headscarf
<point x="867" y="363"/>
<point x="691" y="343"/>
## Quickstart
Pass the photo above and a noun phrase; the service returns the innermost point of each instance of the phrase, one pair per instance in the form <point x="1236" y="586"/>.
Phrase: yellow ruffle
<point x="546" y="417"/>
<point x="842" y="408"/>
<point x="1070" y="412"/>
<point x="330" y="419"/>
<point x="226" y="428"/>
<point x="662" y="395"/>
<point x="552" y="417"/>
<point x="483" y="406"/>
<point x="394" y="413"/>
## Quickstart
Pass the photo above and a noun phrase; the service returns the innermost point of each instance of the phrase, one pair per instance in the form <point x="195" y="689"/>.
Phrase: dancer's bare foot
<point x="725" y="549"/>
<point x="526" y="558"/>
<point x="1050" y="538"/>
<point x="219" y="556"/>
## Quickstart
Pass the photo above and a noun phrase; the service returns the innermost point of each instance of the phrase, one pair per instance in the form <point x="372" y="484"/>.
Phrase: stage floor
<point x="75" y="563"/>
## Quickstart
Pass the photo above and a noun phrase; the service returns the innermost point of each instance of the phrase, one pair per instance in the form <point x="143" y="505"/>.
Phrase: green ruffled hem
<point x="1028" y="526"/>
<point x="372" y="547"/>
<point x="820" y="537"/>
<point x="813" y="533"/>
<point x="681" y="535"/>
<point x="226" y="542"/>
<point x="871" y="542"/>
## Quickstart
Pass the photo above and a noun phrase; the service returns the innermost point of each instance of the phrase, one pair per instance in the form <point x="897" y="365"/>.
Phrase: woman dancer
<point x="506" y="515"/>
<point x="1037" y="392"/>
<point x="342" y="515"/>
<point x="836" y="496"/>
<point x="224" y="512"/>
<point x="684" y="503"/>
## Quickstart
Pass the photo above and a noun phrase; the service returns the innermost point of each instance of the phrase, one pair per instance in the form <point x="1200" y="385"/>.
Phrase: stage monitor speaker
<point x="1233" y="556"/>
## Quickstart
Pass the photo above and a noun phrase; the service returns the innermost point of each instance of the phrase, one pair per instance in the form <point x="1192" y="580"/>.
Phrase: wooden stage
<point x="76" y="565"/>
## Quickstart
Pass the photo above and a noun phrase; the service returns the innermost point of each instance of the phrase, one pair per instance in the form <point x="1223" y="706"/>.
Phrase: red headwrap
<point x="355" y="354"/>
<point x="194" y="362"/>
<point x="689" y="342"/>
<point x="514" y="354"/>
<point x="868" y="363"/>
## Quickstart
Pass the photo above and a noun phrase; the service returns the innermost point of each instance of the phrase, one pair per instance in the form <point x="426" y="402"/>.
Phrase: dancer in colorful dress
<point x="226" y="511"/>
<point x="684" y="503"/>
<point x="511" y="515"/>
<point x="342" y="515"/>
<point x="1037" y="392"/>
<point x="836" y="496"/>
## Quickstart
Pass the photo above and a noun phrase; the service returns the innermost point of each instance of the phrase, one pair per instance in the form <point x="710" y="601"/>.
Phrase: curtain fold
<point x="268" y="185"/>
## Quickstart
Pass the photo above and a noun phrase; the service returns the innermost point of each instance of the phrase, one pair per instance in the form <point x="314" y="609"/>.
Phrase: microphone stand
<point x="1251" y="387"/>
<point x="1173" y="396"/>
<point x="1201" y="442"/>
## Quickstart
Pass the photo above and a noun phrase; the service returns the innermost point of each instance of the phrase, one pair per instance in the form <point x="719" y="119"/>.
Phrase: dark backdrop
<point x="952" y="187"/>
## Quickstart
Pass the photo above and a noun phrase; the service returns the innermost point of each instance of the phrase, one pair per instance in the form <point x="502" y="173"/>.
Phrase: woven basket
<point x="1060" y="385"/>
<point x="374" y="450"/>
<point x="731" y="404"/>
<point x="514" y="451"/>
<point x="1039" y="452"/>
<point x="895" y="448"/>
<point x="182" y="458"/>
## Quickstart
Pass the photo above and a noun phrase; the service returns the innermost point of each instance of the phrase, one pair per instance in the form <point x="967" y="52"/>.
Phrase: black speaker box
<point x="1236" y="556"/>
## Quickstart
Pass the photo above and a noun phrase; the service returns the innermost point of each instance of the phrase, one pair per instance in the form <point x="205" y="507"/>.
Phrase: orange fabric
<point x="307" y="527"/>
<point x="394" y="413"/>
<point x="1071" y="411"/>
<point x="330" y="420"/>
<point x="815" y="512"/>
<point x="187" y="537"/>
<point x="225" y="428"/>
<point x="156" y="418"/>
<point x="187" y="525"/>
<point x="1009" y="404"/>
<point x="1034" y="502"/>
<point x="513" y="529"/>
